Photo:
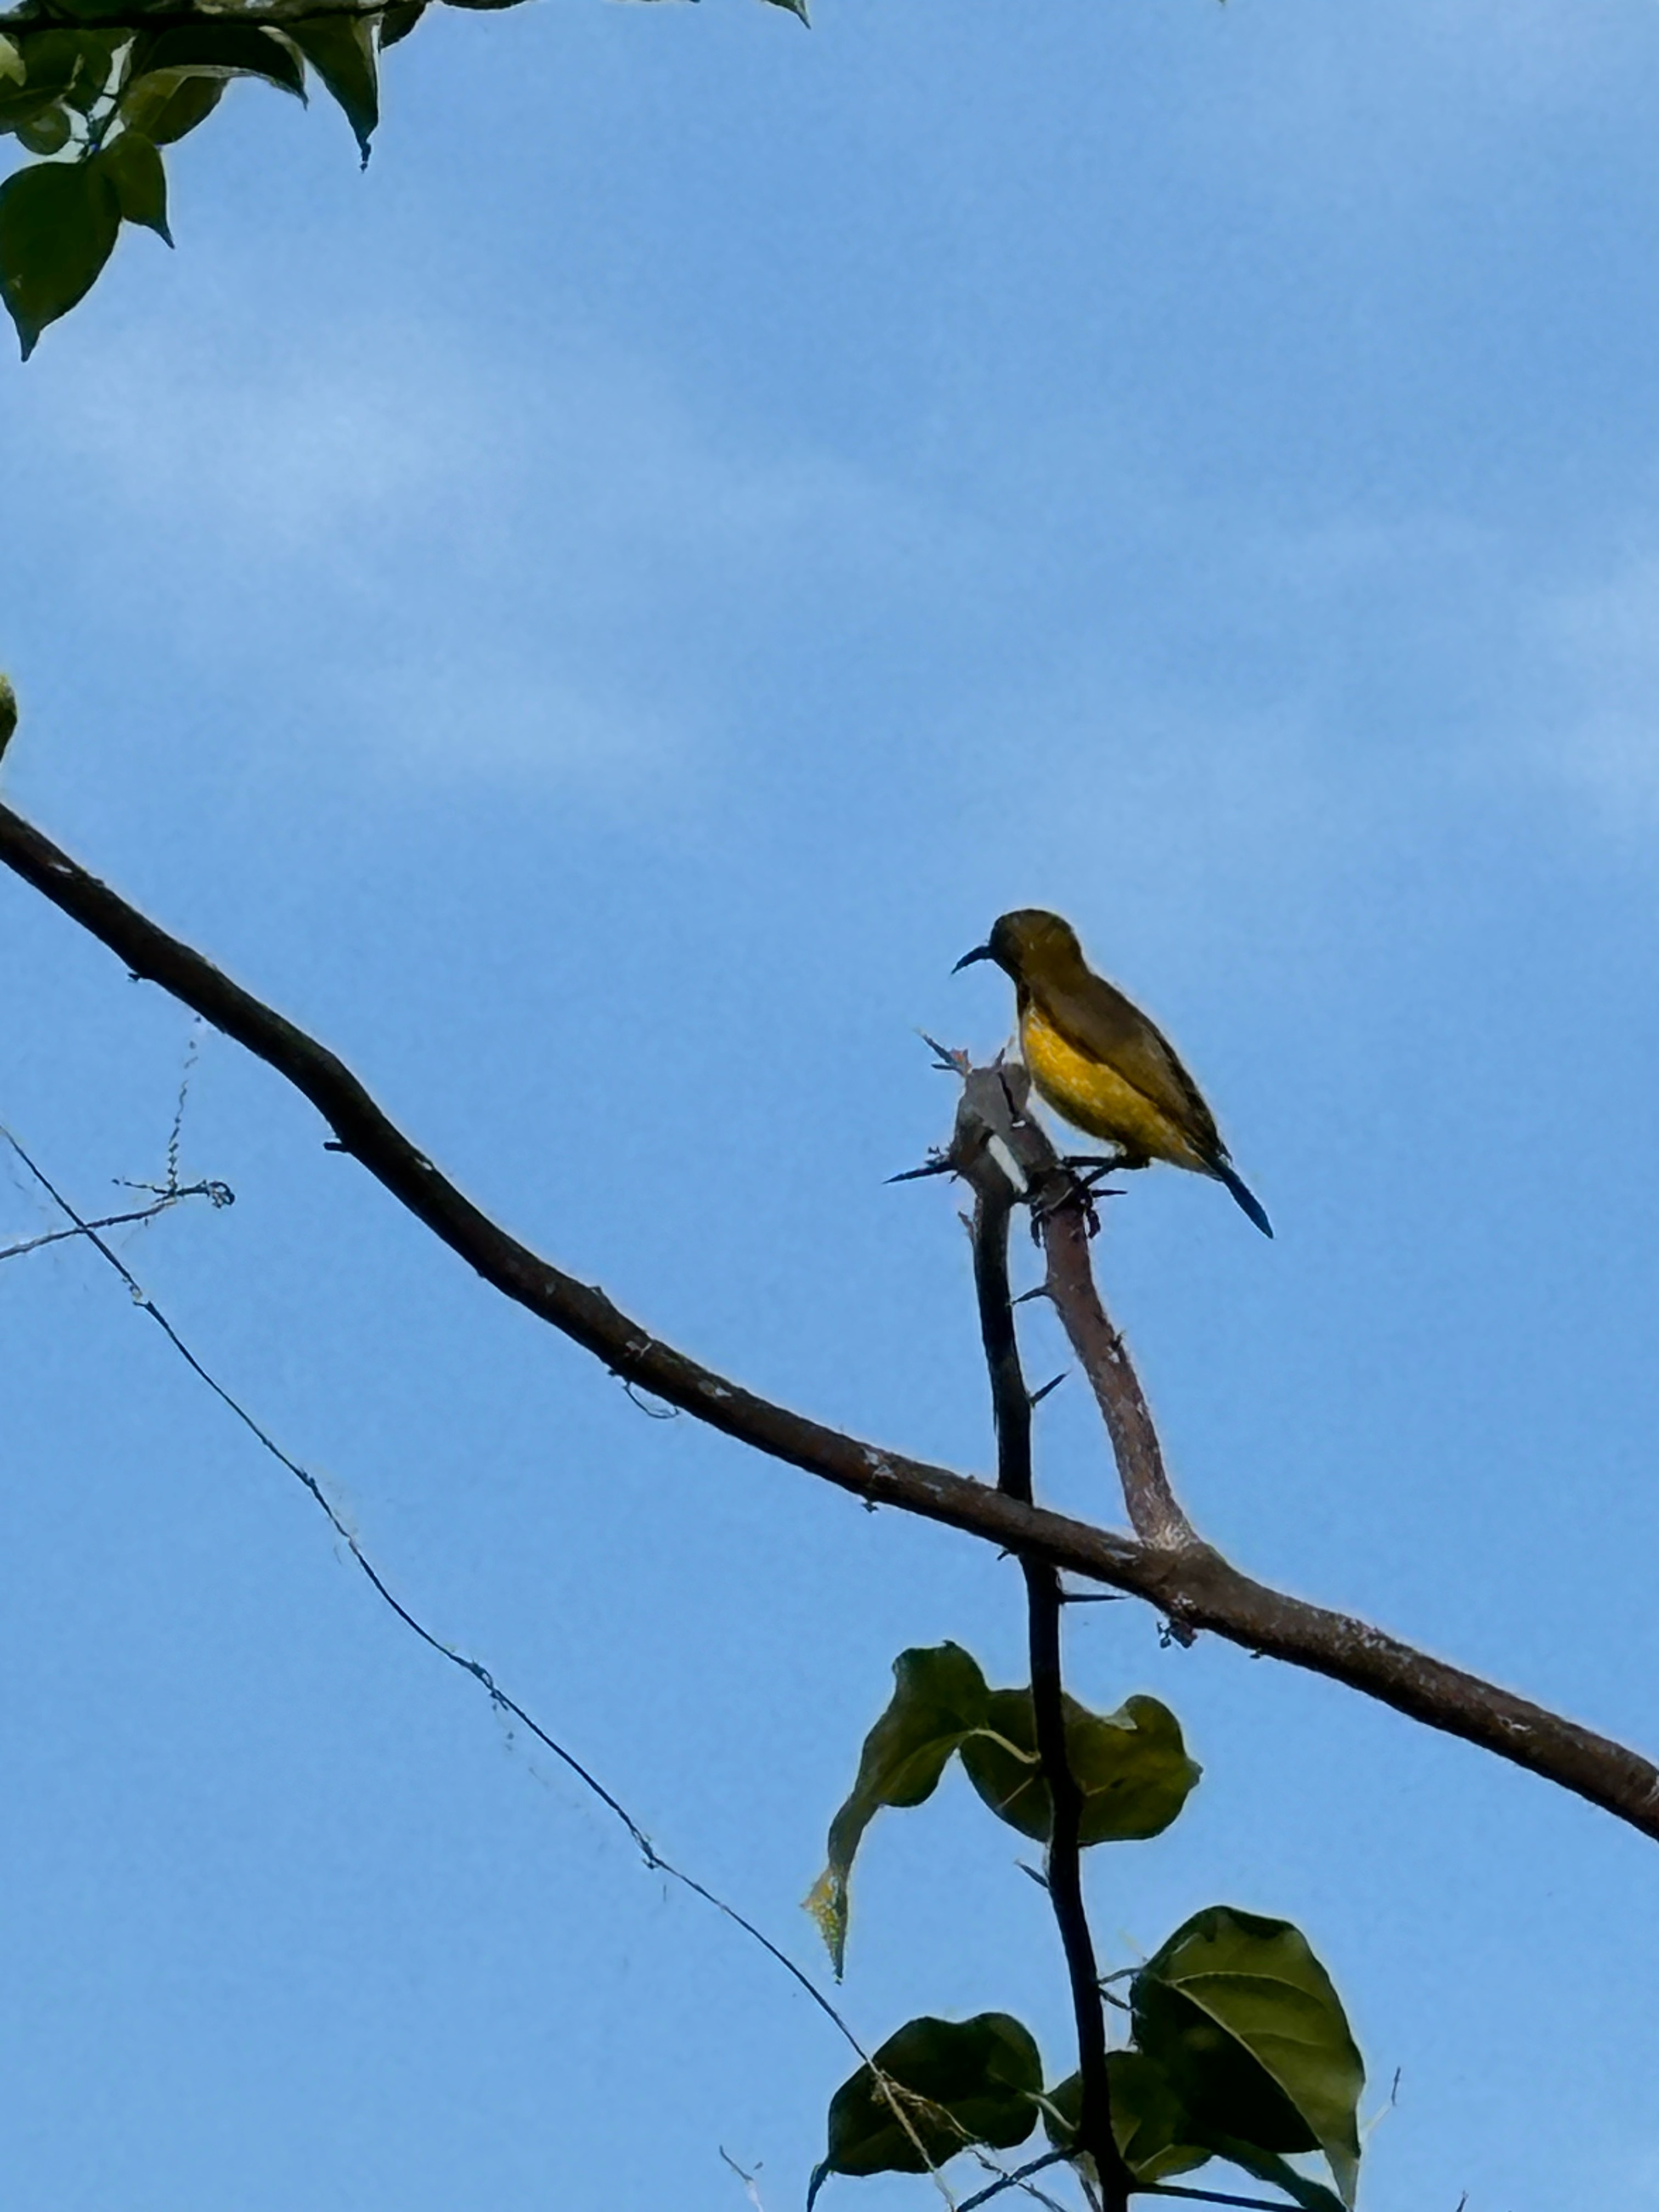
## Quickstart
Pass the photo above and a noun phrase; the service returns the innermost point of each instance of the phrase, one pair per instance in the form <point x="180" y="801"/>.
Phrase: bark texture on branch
<point x="995" y="1191"/>
<point x="1190" y="1584"/>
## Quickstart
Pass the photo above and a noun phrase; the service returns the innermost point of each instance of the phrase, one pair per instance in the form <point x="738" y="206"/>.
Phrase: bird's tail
<point x="1245" y="1196"/>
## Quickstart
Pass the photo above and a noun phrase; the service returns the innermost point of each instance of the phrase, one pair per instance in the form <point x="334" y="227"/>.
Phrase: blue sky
<point x="592" y="618"/>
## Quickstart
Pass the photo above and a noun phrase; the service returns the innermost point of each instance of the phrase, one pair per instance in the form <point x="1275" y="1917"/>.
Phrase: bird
<point x="1098" y="1061"/>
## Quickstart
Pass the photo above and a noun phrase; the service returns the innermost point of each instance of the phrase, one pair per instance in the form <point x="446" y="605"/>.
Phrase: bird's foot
<point x="1069" y="1189"/>
<point x="1080" y="1185"/>
<point x="1094" y="1168"/>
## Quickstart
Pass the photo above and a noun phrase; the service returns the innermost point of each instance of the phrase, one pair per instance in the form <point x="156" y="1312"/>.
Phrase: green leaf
<point x="956" y="2082"/>
<point x="1131" y="1766"/>
<point x="940" y="1696"/>
<point x="341" y="49"/>
<point x="97" y="51"/>
<point x="53" y="59"/>
<point x="19" y="110"/>
<point x="49" y="62"/>
<point x="134" y="169"/>
<point x="1266" y="2166"/>
<point x="11" y="61"/>
<point x="68" y="66"/>
<point x="165" y="104"/>
<point x="100" y="11"/>
<point x="224" y="50"/>
<point x="795" y="8"/>
<point x="46" y="132"/>
<point x="398" y="21"/>
<point x="1244" y="2020"/>
<point x="8" y="711"/>
<point x="1148" y="2120"/>
<point x="57" y="225"/>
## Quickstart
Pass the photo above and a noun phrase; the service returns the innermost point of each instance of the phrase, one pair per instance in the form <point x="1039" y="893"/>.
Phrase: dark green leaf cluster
<point x="95" y="88"/>
<point x="99" y="103"/>
<point x="1240" y="2048"/>
<point x="1242" y="2052"/>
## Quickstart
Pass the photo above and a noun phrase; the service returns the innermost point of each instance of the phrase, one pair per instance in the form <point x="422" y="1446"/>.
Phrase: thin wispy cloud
<point x="535" y="568"/>
<point x="1603" y="745"/>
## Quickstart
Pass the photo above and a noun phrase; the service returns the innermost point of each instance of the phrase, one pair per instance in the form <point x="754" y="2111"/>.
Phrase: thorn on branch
<point x="948" y="1060"/>
<point x="1037" y="1396"/>
<point x="936" y="1165"/>
<point x="659" y="1412"/>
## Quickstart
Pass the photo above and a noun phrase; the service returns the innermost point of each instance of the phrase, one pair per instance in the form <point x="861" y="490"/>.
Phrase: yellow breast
<point x="1094" y="1097"/>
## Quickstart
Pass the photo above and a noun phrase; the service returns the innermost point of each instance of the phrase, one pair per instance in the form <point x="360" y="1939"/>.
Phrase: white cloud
<point x="294" y="450"/>
<point x="1408" y="94"/>
<point x="454" y="560"/>
<point x="514" y="723"/>
<point x="279" y="451"/>
<point x="1603" y="743"/>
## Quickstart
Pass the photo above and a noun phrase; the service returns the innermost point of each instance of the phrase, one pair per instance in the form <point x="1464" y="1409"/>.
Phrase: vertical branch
<point x="994" y="1121"/>
<point x="1011" y="1407"/>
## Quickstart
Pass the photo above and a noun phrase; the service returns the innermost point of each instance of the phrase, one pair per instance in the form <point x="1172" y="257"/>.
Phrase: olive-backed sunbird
<point x="1098" y="1061"/>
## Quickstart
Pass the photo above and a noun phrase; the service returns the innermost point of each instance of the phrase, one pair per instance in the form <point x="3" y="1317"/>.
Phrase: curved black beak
<point x="979" y="952"/>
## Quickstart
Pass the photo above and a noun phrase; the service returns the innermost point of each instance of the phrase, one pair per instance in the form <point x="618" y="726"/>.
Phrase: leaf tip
<point x="826" y="1901"/>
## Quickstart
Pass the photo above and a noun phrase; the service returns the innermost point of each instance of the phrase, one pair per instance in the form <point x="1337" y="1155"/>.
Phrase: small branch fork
<point x="979" y="1156"/>
<point x="218" y="1192"/>
<point x="1188" y="1581"/>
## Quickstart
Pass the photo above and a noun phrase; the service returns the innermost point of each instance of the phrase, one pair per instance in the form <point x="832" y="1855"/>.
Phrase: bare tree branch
<point x="1062" y="1210"/>
<point x="1189" y="1582"/>
<point x="1154" y="1513"/>
<point x="974" y="1154"/>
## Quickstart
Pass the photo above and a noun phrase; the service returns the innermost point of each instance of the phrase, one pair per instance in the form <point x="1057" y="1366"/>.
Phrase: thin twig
<point x="1188" y="1582"/>
<point x="216" y="1191"/>
<point x="1019" y="2178"/>
<point x="1013" y="2180"/>
<point x="480" y="1673"/>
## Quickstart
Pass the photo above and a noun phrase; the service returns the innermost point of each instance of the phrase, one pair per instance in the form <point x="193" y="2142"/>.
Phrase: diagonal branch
<point x="1155" y="1514"/>
<point x="1191" y="1585"/>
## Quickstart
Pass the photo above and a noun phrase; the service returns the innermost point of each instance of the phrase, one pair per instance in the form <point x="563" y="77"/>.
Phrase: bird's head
<point x="1029" y="941"/>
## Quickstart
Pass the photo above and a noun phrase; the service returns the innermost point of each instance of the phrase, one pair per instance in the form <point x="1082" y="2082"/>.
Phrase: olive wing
<point x="1094" y="1016"/>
